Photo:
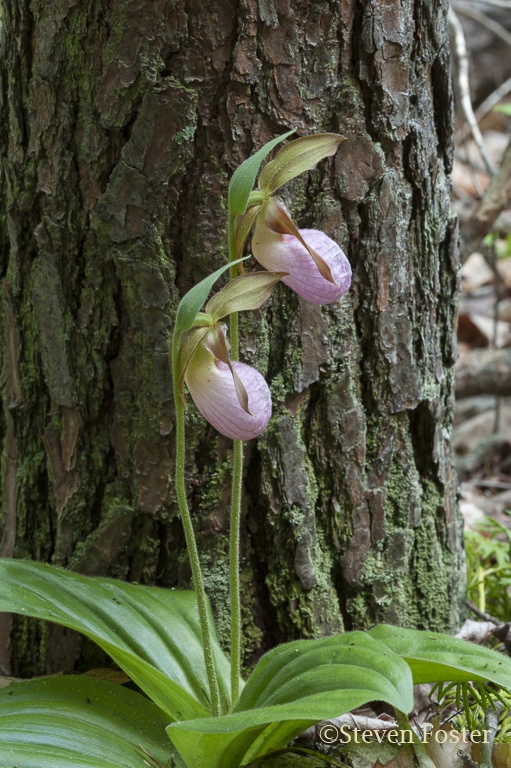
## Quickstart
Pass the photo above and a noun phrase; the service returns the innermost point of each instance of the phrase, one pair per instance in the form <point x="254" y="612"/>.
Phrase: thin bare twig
<point x="504" y="88"/>
<point x="466" y="103"/>
<point x="491" y="722"/>
<point x="496" y="198"/>
<point x="484" y="107"/>
<point x="484" y="372"/>
<point x="492" y="261"/>
<point x="467" y="760"/>
<point x="484" y="20"/>
<point x="487" y="483"/>
<point x="482" y="615"/>
<point x="493" y="99"/>
<point x="501" y="4"/>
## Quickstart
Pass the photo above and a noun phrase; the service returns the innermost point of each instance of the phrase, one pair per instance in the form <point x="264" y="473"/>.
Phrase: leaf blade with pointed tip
<point x="294" y="686"/>
<point x="298" y="156"/>
<point x="246" y="292"/>
<point x="187" y="310"/>
<point x="435" y="657"/>
<point x="153" y="634"/>
<point x="191" y="303"/>
<point x="243" y="179"/>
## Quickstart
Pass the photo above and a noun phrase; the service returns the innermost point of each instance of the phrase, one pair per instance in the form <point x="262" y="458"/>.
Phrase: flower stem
<point x="234" y="569"/>
<point x="236" y="493"/>
<point x="191" y="543"/>
<point x="421" y="753"/>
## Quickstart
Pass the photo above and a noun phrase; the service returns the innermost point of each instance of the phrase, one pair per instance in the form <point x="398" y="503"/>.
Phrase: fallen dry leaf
<point x="504" y="270"/>
<point x="468" y="181"/>
<point x="475" y="272"/>
<point x="504" y="310"/>
<point x="481" y="331"/>
<point x="403" y="759"/>
<point x="501" y="755"/>
<point x="470" y="434"/>
<point x="442" y="750"/>
<point x="369" y="755"/>
<point x="476" y="631"/>
<point x="111" y="675"/>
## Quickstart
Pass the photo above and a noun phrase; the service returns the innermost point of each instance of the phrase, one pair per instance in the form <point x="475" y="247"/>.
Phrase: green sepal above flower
<point x="246" y="292"/>
<point x="298" y="156"/>
<point x="243" y="178"/>
<point x="295" y="158"/>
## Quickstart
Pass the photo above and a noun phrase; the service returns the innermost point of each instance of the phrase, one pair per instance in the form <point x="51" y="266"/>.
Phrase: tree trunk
<point x="121" y="123"/>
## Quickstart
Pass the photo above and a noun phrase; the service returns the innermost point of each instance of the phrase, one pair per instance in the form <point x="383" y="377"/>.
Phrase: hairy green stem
<point x="191" y="543"/>
<point x="419" y="748"/>
<point x="236" y="493"/>
<point x="234" y="569"/>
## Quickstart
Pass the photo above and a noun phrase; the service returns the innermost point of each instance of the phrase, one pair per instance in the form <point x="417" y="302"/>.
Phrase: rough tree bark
<point x="121" y="122"/>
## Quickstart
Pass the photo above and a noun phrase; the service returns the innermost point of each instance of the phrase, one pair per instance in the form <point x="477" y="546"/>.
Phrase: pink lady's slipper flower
<point x="318" y="270"/>
<point x="232" y="396"/>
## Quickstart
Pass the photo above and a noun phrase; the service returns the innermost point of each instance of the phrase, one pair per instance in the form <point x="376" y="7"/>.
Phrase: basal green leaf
<point x="153" y="634"/>
<point x="243" y="179"/>
<point x="64" y="721"/>
<point x="274" y="737"/>
<point x="435" y="657"/>
<point x="292" y="687"/>
<point x="171" y="697"/>
<point x="353" y="653"/>
<point x="200" y="750"/>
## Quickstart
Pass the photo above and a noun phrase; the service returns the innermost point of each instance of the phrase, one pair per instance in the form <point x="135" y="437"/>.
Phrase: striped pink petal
<point x="285" y="253"/>
<point x="212" y="388"/>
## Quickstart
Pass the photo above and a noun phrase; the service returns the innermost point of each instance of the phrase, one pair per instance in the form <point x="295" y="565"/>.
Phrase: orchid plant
<point x="195" y="710"/>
